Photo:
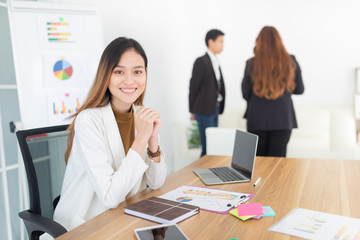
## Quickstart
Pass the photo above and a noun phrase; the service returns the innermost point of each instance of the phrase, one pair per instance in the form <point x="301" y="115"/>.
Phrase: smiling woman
<point x="127" y="81"/>
<point x="106" y="160"/>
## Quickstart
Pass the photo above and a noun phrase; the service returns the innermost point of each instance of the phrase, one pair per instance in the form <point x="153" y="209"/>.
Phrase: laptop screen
<point x="243" y="158"/>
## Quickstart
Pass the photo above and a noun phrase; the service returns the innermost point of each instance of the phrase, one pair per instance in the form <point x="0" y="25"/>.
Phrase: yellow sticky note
<point x="234" y="212"/>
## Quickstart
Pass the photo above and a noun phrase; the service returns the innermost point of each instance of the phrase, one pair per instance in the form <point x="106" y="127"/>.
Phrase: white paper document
<point x="313" y="225"/>
<point x="209" y="199"/>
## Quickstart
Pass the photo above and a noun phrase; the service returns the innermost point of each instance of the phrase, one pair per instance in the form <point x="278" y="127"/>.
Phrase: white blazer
<point x="98" y="175"/>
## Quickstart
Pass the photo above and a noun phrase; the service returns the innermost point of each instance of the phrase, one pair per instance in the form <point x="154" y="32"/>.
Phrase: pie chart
<point x="63" y="70"/>
<point x="184" y="199"/>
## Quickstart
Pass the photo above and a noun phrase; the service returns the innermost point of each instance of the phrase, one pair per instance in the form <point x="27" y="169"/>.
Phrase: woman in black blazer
<point x="269" y="80"/>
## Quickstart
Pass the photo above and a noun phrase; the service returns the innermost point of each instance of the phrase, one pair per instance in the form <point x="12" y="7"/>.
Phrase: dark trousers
<point x="272" y="143"/>
<point x="203" y="123"/>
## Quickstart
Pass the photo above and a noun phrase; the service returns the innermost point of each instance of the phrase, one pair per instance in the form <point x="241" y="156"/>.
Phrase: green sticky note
<point x="269" y="212"/>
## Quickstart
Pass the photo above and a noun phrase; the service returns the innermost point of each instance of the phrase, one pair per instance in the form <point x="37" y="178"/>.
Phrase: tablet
<point x="168" y="231"/>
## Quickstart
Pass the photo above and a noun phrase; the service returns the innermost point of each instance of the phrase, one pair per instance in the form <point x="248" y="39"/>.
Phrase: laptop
<point x="242" y="164"/>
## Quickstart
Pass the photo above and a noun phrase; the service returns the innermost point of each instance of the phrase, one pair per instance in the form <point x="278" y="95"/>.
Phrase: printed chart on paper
<point x="310" y="224"/>
<point x="206" y="198"/>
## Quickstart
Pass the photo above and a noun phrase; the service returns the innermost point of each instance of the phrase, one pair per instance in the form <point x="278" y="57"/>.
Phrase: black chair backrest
<point x="43" y="152"/>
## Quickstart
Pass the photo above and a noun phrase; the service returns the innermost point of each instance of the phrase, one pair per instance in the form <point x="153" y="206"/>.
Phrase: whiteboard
<point x="357" y="79"/>
<point x="56" y="49"/>
<point x="357" y="106"/>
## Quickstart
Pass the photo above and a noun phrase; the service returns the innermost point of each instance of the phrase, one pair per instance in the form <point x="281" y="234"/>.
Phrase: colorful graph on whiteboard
<point x="63" y="104"/>
<point x="58" y="30"/>
<point x="66" y="107"/>
<point x="63" y="70"/>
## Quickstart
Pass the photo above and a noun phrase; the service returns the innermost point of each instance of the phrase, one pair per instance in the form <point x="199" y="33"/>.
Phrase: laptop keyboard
<point x="225" y="174"/>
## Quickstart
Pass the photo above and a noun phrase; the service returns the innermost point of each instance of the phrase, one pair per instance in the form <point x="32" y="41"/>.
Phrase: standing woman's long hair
<point x="273" y="69"/>
<point x="99" y="93"/>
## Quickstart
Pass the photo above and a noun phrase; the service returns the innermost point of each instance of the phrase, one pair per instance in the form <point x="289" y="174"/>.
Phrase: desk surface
<point x="331" y="186"/>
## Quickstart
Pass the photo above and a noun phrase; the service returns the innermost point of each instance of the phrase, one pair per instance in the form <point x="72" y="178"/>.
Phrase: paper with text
<point x="209" y="199"/>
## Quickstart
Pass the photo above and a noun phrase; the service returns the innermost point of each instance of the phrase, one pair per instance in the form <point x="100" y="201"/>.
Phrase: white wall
<point x="323" y="34"/>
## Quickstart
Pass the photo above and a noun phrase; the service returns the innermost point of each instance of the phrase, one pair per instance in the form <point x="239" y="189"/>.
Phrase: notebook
<point x="161" y="210"/>
<point x="242" y="164"/>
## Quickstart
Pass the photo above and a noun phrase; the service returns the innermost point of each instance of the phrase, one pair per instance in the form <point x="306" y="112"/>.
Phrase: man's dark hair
<point x="213" y="34"/>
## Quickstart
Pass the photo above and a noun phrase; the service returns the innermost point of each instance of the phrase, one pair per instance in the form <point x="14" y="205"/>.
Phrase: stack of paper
<point x="252" y="210"/>
<point x="309" y="224"/>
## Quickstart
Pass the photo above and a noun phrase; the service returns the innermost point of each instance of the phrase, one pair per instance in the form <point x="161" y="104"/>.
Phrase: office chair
<point x="43" y="152"/>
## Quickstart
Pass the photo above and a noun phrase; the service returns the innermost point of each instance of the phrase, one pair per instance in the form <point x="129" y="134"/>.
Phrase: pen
<point x="242" y="199"/>
<point x="240" y="202"/>
<point x="257" y="181"/>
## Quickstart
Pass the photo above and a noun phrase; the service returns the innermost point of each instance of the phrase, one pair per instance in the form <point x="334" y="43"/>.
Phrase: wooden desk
<point x="331" y="186"/>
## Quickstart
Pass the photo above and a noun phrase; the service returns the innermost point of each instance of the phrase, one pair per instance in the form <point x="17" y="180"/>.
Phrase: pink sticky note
<point x="250" y="209"/>
<point x="259" y="216"/>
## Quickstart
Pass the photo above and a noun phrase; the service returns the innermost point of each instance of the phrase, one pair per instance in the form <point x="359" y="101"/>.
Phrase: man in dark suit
<point x="207" y="89"/>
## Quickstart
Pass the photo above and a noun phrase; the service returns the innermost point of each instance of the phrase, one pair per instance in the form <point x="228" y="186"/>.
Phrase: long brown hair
<point x="273" y="69"/>
<point x="99" y="94"/>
